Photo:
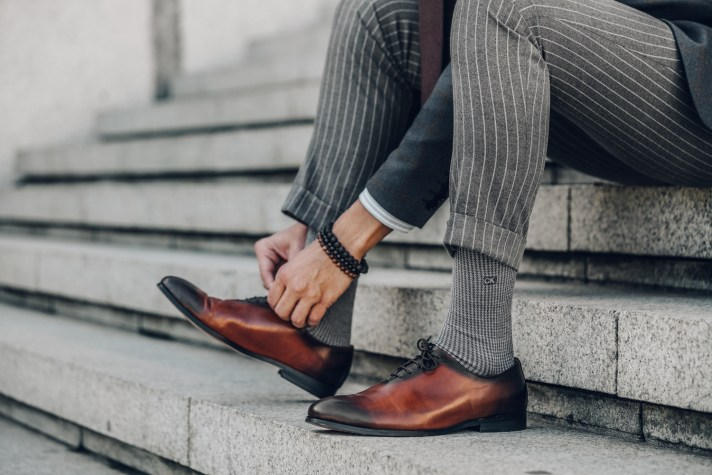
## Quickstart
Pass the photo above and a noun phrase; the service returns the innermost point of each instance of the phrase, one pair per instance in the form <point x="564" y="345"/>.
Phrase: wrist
<point x="358" y="231"/>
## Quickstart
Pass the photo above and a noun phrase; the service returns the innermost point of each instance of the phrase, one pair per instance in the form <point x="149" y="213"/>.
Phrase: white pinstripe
<point x="655" y="129"/>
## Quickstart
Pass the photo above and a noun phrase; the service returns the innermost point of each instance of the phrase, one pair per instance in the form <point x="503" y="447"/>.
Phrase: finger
<point x="286" y="304"/>
<point x="275" y="293"/>
<point x="317" y="313"/>
<point x="267" y="263"/>
<point x="267" y="270"/>
<point x="301" y="312"/>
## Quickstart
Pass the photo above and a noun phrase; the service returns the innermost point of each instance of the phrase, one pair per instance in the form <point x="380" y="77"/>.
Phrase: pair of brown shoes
<point x="430" y="394"/>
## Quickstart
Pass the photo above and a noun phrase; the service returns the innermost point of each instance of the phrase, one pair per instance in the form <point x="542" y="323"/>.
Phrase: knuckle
<point x="299" y="284"/>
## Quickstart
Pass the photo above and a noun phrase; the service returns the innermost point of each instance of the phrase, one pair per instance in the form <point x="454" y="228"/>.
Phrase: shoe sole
<point x="502" y="423"/>
<point x="304" y="381"/>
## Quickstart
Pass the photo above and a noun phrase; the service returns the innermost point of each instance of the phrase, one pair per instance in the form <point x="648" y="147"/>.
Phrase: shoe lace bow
<point x="426" y="360"/>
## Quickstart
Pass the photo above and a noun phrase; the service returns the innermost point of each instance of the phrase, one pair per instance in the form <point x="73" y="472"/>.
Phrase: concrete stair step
<point x="240" y="151"/>
<point x="650" y="221"/>
<point x="246" y="151"/>
<point x="258" y="73"/>
<point x="219" y="413"/>
<point x="293" y="104"/>
<point x="24" y="452"/>
<point x="634" y="344"/>
<point x="236" y="206"/>
<point x="313" y="41"/>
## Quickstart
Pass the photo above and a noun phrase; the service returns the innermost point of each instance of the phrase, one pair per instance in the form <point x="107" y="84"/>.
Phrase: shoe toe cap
<point x="342" y="409"/>
<point x="185" y="293"/>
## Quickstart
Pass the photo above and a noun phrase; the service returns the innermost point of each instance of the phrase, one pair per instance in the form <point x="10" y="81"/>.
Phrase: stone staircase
<point x="612" y="314"/>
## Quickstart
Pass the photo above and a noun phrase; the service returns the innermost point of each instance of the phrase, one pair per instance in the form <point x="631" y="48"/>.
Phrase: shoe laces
<point x="256" y="300"/>
<point x="426" y="360"/>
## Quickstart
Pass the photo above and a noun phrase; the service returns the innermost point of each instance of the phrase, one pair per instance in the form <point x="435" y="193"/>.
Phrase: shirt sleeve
<point x="380" y="213"/>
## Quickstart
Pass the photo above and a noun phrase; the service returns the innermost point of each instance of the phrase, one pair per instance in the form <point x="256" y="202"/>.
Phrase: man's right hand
<point x="275" y="250"/>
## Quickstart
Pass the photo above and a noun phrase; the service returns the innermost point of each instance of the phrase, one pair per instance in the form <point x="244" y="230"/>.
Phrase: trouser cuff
<point x="304" y="206"/>
<point x="481" y="236"/>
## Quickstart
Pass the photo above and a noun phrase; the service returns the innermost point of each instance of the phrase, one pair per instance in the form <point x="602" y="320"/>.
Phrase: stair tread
<point x="218" y="412"/>
<point x="277" y="148"/>
<point x="253" y="74"/>
<point x="285" y="104"/>
<point x="637" y="344"/>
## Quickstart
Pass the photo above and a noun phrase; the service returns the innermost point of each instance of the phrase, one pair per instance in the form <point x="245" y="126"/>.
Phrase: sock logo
<point x="490" y="279"/>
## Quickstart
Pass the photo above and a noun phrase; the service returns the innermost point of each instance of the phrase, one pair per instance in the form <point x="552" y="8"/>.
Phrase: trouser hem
<point x="307" y="208"/>
<point x="494" y="241"/>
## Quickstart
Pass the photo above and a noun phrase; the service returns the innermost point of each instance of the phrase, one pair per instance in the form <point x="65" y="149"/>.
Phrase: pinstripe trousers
<point x="596" y="84"/>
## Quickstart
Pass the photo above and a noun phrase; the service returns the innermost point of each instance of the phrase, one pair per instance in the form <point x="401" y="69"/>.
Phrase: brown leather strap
<point x="432" y="26"/>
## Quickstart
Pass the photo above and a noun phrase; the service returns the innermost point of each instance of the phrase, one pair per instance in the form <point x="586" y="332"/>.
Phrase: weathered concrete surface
<point x="240" y="411"/>
<point x="693" y="429"/>
<point x="242" y="151"/>
<point x="58" y="429"/>
<point x="585" y="409"/>
<point x="134" y="457"/>
<point x="668" y="359"/>
<point x="235" y="206"/>
<point x="23" y="452"/>
<point x="296" y="103"/>
<point x="255" y="74"/>
<point x="553" y="265"/>
<point x="563" y="342"/>
<point x="548" y="224"/>
<point x="686" y="274"/>
<point x="565" y="334"/>
<point x="642" y="220"/>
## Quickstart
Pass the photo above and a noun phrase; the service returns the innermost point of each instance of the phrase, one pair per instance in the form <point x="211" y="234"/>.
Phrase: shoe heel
<point x="307" y="383"/>
<point x="507" y="423"/>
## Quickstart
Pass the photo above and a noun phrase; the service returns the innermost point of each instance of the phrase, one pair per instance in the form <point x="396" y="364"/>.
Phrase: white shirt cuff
<point x="381" y="214"/>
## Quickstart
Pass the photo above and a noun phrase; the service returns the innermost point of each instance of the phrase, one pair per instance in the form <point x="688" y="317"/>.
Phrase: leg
<point x="608" y="70"/>
<point x="511" y="59"/>
<point x="370" y="83"/>
<point x="571" y="146"/>
<point x="365" y="106"/>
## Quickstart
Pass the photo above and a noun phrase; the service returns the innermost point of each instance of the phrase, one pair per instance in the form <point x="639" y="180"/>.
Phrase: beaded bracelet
<point x="339" y="255"/>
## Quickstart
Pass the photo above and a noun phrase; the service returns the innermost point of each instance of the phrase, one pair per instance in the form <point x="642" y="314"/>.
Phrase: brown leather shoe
<point x="251" y="327"/>
<point x="431" y="394"/>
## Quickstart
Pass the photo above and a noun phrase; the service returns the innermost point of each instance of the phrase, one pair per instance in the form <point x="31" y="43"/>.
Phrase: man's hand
<point x="275" y="250"/>
<point x="306" y="286"/>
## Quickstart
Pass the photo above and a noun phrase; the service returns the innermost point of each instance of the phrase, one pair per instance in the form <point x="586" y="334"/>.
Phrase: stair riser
<point x="81" y="438"/>
<point x="605" y="219"/>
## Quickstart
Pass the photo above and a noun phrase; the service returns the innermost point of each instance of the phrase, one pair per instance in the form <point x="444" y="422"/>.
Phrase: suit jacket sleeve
<point x="413" y="182"/>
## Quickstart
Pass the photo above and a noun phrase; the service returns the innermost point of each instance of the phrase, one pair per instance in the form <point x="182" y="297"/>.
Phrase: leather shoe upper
<point x="253" y="326"/>
<point x="430" y="392"/>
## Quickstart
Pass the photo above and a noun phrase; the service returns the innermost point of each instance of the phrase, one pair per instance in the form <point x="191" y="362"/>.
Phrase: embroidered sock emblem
<point x="490" y="279"/>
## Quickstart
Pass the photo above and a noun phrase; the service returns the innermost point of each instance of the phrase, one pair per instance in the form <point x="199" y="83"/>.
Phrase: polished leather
<point x="256" y="329"/>
<point x="428" y="400"/>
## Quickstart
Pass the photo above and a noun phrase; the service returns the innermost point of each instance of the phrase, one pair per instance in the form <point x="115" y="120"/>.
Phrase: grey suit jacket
<point x="413" y="181"/>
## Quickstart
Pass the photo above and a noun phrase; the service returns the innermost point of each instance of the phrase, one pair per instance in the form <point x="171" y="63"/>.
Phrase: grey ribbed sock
<point x="335" y="328"/>
<point x="477" y="330"/>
